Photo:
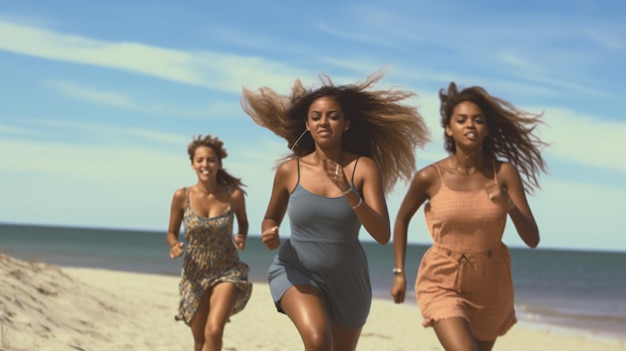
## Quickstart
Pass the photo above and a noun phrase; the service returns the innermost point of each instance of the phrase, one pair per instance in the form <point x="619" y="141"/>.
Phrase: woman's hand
<point x="176" y="250"/>
<point x="335" y="173"/>
<point x="240" y="241"/>
<point x="270" y="238"/>
<point x="398" y="288"/>
<point x="499" y="196"/>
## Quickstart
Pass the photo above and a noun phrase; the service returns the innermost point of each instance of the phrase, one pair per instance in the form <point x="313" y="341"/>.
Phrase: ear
<point x="306" y="125"/>
<point x="347" y="126"/>
<point x="448" y="130"/>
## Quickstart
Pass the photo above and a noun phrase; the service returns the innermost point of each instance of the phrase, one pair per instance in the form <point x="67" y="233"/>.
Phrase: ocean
<point x="560" y="288"/>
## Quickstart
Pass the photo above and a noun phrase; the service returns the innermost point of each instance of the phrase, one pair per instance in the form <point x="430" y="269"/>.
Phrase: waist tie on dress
<point x="464" y="255"/>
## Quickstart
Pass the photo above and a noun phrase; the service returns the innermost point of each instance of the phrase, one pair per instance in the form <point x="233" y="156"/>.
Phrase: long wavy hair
<point x="511" y="131"/>
<point x="223" y="177"/>
<point x="381" y="126"/>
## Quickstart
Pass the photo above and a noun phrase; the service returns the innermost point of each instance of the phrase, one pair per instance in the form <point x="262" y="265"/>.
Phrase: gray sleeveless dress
<point x="324" y="251"/>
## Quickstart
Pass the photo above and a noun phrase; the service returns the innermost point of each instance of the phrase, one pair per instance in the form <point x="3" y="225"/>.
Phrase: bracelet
<point x="346" y="192"/>
<point x="397" y="270"/>
<point x="359" y="204"/>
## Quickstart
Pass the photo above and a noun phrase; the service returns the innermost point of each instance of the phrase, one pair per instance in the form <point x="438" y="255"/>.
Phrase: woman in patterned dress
<point x="349" y="145"/>
<point x="464" y="287"/>
<point x="214" y="283"/>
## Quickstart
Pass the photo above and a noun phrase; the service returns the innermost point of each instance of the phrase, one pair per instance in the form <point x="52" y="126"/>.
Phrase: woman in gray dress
<point x="349" y="146"/>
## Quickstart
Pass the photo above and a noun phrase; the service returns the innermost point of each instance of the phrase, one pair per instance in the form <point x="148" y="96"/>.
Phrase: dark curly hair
<point x="510" y="130"/>
<point x="380" y="126"/>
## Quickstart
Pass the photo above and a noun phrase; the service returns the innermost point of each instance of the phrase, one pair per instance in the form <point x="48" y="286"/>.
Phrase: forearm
<point x="526" y="227"/>
<point x="399" y="244"/>
<point x="171" y="238"/>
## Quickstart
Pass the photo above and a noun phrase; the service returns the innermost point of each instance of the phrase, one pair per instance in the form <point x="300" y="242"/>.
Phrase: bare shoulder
<point x="366" y="163"/>
<point x="179" y="197"/>
<point x="427" y="175"/>
<point x="507" y="171"/>
<point x="287" y="168"/>
<point x="237" y="194"/>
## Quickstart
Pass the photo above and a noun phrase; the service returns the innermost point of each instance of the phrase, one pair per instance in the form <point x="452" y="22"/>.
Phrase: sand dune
<point x="48" y="308"/>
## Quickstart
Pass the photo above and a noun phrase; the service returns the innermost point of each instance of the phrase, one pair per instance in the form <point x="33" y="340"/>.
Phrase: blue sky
<point x="99" y="99"/>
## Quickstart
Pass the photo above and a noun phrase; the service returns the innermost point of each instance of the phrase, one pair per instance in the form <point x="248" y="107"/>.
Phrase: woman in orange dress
<point x="464" y="287"/>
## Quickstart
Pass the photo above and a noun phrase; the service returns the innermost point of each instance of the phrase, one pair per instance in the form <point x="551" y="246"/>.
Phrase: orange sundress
<point x="467" y="271"/>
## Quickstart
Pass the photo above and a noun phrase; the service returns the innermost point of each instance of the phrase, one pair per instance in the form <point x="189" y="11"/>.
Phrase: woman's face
<point x="325" y="120"/>
<point x="205" y="162"/>
<point x="467" y="125"/>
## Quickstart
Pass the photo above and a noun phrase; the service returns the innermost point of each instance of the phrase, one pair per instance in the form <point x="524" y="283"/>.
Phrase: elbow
<point x="532" y="241"/>
<point x="384" y="237"/>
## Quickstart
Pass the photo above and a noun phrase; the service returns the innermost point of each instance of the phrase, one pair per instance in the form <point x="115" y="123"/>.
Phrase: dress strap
<point x="298" y="162"/>
<point x="186" y="196"/>
<point x="495" y="173"/>
<point x="354" y="169"/>
<point x="438" y="171"/>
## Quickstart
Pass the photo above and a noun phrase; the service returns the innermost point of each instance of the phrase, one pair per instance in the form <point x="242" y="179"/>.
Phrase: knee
<point x="317" y="340"/>
<point x="213" y="331"/>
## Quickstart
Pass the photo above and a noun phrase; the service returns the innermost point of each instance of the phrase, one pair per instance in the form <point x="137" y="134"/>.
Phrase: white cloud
<point x="223" y="72"/>
<point x="585" y="140"/>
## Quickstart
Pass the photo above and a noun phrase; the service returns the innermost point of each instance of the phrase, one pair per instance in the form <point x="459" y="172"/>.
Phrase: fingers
<point x="176" y="250"/>
<point x="270" y="238"/>
<point x="240" y="241"/>
<point x="398" y="290"/>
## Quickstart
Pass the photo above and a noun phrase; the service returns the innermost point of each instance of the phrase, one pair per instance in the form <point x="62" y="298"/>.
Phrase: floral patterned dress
<point x="211" y="258"/>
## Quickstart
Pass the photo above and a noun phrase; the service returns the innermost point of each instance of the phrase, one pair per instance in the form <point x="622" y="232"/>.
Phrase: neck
<point x="320" y="155"/>
<point x="207" y="187"/>
<point x="468" y="163"/>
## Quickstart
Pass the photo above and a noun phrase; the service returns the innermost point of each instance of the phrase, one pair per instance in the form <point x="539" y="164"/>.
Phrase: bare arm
<point x="413" y="200"/>
<point x="277" y="205"/>
<point x="239" y="203"/>
<point x="176" y="217"/>
<point x="520" y="211"/>
<point x="372" y="212"/>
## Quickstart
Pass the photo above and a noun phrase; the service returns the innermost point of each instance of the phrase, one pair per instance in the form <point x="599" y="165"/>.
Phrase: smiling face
<point x="467" y="125"/>
<point x="205" y="162"/>
<point x="326" y="120"/>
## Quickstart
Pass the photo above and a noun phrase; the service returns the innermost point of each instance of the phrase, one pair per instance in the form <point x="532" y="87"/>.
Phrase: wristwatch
<point x="397" y="271"/>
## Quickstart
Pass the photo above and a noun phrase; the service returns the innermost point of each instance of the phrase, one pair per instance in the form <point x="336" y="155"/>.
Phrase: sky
<point x="98" y="100"/>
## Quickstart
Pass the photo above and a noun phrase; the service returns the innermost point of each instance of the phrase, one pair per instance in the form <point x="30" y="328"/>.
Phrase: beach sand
<point x="49" y="308"/>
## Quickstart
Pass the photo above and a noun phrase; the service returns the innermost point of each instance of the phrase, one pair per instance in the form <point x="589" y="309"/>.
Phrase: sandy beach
<point x="49" y="308"/>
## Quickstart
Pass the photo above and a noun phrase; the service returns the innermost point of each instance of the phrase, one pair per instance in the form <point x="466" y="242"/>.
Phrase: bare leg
<point x="223" y="299"/>
<point x="305" y="307"/>
<point x="199" y="321"/>
<point x="454" y="334"/>
<point x="484" y="345"/>
<point x="214" y="309"/>
<point x="345" y="339"/>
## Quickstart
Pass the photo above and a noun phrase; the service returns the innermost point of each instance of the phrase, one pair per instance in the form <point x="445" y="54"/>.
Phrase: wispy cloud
<point x="219" y="71"/>
<point x="15" y="131"/>
<point x="584" y="139"/>
<point x="82" y="92"/>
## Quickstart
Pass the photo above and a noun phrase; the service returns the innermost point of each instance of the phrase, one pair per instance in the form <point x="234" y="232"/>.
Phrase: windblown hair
<point x="217" y="145"/>
<point x="381" y="127"/>
<point x="510" y="131"/>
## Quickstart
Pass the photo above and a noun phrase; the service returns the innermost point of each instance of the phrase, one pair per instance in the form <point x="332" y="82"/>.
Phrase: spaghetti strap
<point x="438" y="171"/>
<point x="495" y="174"/>
<point x="186" y="196"/>
<point x="298" y="162"/>
<point x="354" y="169"/>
